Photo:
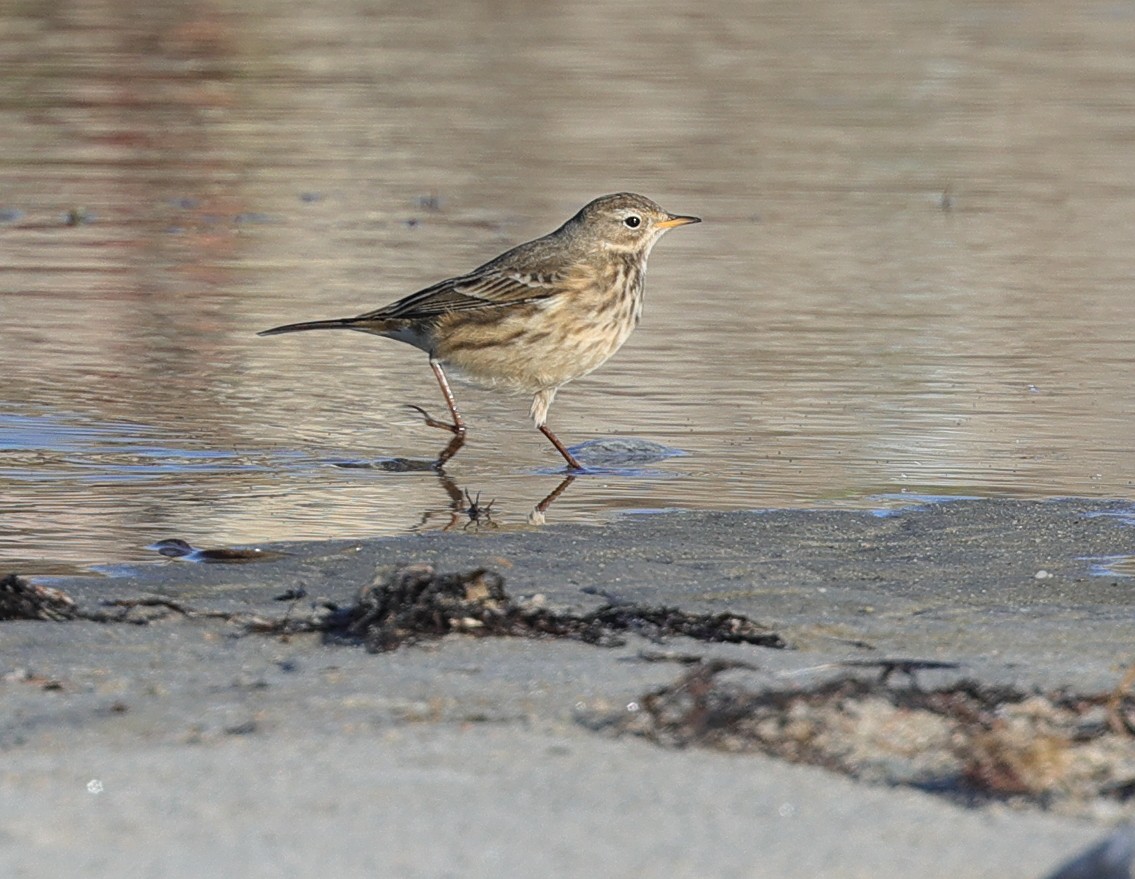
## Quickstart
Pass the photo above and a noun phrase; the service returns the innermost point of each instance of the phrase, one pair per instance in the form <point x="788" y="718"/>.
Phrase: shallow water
<point x="914" y="276"/>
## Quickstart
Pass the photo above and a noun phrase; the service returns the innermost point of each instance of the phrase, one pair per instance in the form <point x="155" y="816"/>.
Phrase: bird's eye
<point x="632" y="221"/>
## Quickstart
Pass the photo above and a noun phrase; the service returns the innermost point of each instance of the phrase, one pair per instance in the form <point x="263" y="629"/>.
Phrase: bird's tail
<point x="341" y="323"/>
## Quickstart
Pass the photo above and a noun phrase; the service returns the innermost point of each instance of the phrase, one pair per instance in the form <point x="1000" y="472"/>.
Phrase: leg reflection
<point x="466" y="509"/>
<point x="537" y="517"/>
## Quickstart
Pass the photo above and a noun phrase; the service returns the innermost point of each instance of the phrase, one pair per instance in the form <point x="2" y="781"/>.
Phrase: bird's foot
<point x="456" y="429"/>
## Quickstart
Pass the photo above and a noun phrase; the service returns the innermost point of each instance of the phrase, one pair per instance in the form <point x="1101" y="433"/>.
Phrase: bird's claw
<point x="433" y="422"/>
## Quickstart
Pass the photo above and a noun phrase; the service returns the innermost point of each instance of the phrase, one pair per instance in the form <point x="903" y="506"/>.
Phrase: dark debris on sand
<point x="413" y="603"/>
<point x="968" y="741"/>
<point x="21" y="600"/>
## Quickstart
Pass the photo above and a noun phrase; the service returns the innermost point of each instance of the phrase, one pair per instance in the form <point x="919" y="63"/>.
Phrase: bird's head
<point x="626" y="222"/>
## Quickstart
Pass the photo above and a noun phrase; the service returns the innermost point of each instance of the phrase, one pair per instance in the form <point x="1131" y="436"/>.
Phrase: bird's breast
<point x="547" y="342"/>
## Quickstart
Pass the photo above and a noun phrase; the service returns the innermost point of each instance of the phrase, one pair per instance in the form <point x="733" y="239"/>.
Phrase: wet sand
<point x="178" y="749"/>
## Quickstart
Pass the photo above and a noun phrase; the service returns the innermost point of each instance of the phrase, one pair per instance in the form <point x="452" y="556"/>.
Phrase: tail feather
<point x="341" y="323"/>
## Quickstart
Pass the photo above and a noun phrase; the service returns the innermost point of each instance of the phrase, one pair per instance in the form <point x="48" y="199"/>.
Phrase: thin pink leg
<point x="561" y="448"/>
<point x="457" y="428"/>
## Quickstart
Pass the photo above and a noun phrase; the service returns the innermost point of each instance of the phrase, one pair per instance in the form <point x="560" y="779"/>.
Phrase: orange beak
<point x="677" y="221"/>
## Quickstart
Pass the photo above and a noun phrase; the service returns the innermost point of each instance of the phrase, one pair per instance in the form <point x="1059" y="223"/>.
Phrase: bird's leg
<point x="561" y="448"/>
<point x="455" y="444"/>
<point x="541" y="401"/>
<point x="457" y="428"/>
<point x="458" y="425"/>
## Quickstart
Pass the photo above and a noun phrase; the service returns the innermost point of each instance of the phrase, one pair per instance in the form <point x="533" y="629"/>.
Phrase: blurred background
<point x="914" y="277"/>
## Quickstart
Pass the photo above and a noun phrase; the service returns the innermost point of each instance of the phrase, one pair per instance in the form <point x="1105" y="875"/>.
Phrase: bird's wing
<point x="485" y="287"/>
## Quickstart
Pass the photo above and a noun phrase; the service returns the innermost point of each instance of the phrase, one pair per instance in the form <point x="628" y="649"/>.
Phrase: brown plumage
<point x="537" y="316"/>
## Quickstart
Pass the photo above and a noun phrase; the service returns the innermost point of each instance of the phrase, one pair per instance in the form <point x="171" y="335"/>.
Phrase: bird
<point x="538" y="316"/>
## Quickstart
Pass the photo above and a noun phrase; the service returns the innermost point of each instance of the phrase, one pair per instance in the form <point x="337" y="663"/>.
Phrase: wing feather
<point x="486" y="287"/>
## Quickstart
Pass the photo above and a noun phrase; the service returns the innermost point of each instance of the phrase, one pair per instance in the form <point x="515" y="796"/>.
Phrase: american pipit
<point x="534" y="318"/>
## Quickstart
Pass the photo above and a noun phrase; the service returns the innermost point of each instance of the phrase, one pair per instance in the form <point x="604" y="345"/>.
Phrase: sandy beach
<point x="181" y="747"/>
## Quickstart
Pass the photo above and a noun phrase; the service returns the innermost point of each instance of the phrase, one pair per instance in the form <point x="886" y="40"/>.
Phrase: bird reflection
<point x="536" y="517"/>
<point x="464" y="509"/>
<point x="467" y="511"/>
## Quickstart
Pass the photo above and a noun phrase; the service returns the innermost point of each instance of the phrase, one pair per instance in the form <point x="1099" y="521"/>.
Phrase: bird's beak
<point x="677" y="221"/>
